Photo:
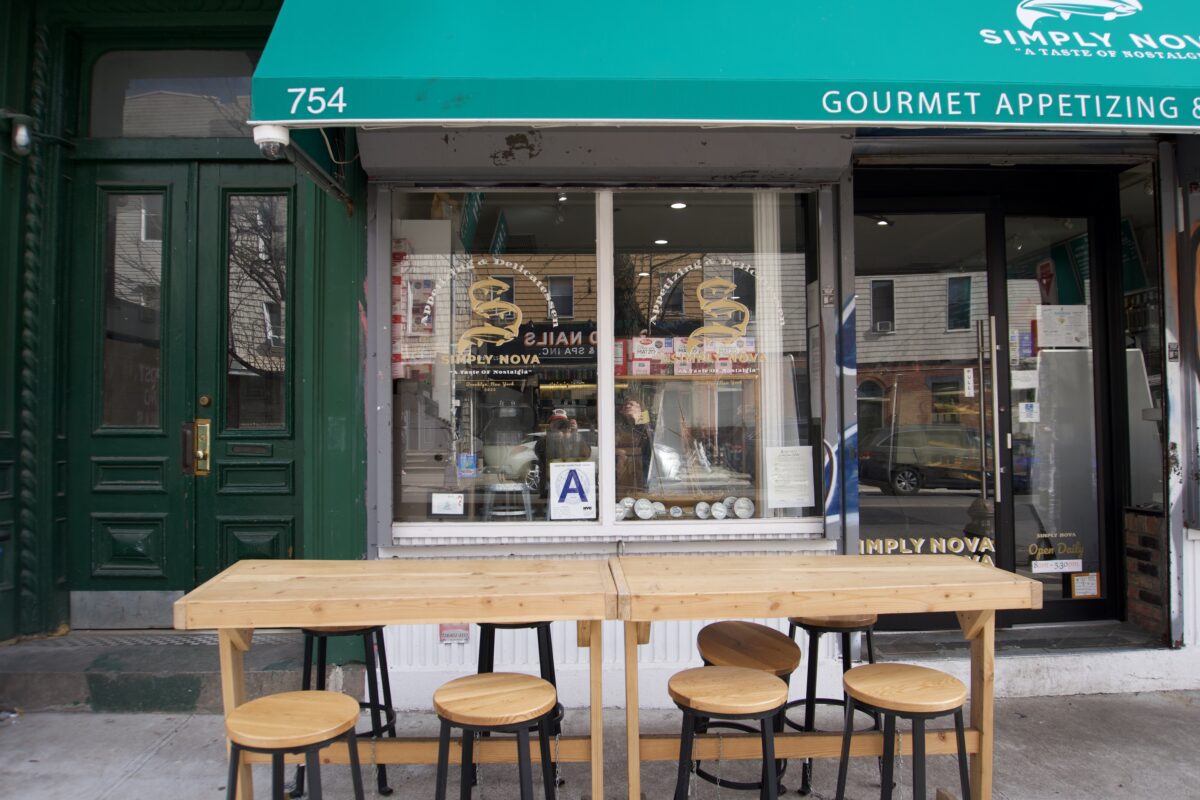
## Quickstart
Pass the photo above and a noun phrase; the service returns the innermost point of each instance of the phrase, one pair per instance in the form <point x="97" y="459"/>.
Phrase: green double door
<point x="181" y="416"/>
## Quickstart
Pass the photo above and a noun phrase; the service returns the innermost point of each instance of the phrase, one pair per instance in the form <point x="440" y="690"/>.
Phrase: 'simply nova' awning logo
<point x="1030" y="11"/>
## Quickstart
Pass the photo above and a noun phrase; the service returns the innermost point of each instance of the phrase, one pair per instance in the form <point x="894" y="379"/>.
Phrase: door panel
<point x="248" y="507"/>
<point x="180" y="294"/>
<point x="130" y="321"/>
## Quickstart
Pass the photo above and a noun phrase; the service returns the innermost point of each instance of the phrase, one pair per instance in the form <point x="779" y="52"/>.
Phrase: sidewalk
<point x="1131" y="746"/>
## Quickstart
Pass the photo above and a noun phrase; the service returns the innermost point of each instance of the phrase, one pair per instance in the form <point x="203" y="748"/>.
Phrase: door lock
<point x="205" y="401"/>
<point x="201" y="436"/>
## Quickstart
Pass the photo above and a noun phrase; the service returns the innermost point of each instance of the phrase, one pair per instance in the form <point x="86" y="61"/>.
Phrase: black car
<point x="910" y="458"/>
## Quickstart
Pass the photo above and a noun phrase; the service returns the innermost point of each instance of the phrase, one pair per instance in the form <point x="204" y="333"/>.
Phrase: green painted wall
<point x="42" y="48"/>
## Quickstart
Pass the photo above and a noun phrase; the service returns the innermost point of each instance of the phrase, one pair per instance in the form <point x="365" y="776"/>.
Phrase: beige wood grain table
<point x="654" y="588"/>
<point x="297" y="594"/>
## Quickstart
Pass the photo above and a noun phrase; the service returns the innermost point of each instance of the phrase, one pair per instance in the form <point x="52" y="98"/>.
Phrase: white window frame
<point x="878" y="325"/>
<point x="161" y="232"/>
<point x="399" y="535"/>
<point x="273" y="337"/>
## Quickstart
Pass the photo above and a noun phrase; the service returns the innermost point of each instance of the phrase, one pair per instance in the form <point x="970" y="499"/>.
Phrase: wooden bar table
<point x="654" y="588"/>
<point x="301" y="594"/>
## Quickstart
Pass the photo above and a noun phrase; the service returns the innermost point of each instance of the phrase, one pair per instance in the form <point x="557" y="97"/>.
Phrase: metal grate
<point x="149" y="639"/>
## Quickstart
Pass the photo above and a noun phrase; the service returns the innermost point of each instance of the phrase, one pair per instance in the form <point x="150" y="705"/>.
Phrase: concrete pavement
<point x="1129" y="746"/>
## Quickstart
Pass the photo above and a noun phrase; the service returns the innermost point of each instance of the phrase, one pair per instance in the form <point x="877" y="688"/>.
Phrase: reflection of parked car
<point x="915" y="457"/>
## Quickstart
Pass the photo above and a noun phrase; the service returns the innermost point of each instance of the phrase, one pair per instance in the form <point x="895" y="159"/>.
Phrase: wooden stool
<point x="497" y="702"/>
<point x="816" y="627"/>
<point x="911" y="692"/>
<point x="292" y="722"/>
<point x="383" y="715"/>
<point x="728" y="693"/>
<point x="734" y="643"/>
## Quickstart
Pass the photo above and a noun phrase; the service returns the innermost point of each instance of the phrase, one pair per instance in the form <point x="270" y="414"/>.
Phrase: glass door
<point x="1002" y="460"/>
<point x="1052" y="393"/>
<point x="924" y="385"/>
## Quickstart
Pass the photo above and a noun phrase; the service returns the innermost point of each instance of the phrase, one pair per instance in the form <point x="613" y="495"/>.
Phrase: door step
<point x="149" y="671"/>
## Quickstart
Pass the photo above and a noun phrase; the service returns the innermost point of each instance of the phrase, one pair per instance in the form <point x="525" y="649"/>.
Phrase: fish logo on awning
<point x="1030" y="11"/>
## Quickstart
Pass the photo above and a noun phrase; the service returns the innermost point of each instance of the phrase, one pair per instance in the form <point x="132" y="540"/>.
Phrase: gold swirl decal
<point x="485" y="302"/>
<point x="731" y="318"/>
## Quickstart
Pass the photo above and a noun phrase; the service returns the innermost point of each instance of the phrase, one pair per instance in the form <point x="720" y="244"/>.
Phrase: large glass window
<point x="713" y="419"/>
<point x="494" y="347"/>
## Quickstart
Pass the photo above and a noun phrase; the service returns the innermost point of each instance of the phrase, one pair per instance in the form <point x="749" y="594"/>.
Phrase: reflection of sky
<point x="225" y="90"/>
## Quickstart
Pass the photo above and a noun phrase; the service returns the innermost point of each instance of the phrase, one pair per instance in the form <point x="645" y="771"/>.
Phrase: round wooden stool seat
<point x="848" y="622"/>
<point x="735" y="643"/>
<point x="494" y="699"/>
<point x="732" y="691"/>
<point x="291" y="719"/>
<point x="905" y="688"/>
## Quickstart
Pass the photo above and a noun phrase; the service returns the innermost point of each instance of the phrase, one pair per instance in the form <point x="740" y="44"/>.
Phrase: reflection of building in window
<point x="883" y="306"/>
<point x="958" y="303"/>
<point x="870" y="408"/>
<point x="947" y="399"/>
<point x="152" y="218"/>
<point x="273" y="317"/>
<point x="562" y="294"/>
<point x="672" y="299"/>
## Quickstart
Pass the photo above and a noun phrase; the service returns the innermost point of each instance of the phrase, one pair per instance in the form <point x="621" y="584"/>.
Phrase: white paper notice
<point x="789" y="477"/>
<point x="1057" y="565"/>
<point x="1063" y="326"/>
<point x="1024" y="379"/>
<point x="968" y="382"/>
<point x="1027" y="412"/>
<point x="572" y="490"/>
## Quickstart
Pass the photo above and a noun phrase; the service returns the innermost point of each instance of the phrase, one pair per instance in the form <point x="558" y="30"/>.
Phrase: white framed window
<point x="273" y="321"/>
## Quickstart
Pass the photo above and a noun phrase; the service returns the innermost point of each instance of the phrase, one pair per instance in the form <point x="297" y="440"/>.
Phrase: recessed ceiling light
<point x="678" y="206"/>
<point x="882" y="222"/>
<point x="643" y="274"/>
<point x="660" y="241"/>
<point x="562" y="197"/>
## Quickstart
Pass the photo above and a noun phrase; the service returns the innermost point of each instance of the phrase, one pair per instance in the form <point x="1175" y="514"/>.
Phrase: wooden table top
<point x="724" y="586"/>
<point x="291" y="594"/>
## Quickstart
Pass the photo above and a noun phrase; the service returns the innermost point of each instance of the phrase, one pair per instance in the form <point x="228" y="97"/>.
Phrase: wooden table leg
<point x="597" y="698"/>
<point x="979" y="627"/>
<point x="632" y="727"/>
<point x="233" y="644"/>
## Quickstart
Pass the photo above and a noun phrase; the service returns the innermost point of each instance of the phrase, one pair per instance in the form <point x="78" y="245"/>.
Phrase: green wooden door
<point x="180" y="314"/>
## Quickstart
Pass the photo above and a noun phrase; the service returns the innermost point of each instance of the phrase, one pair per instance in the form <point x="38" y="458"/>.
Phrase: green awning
<point x="1074" y="64"/>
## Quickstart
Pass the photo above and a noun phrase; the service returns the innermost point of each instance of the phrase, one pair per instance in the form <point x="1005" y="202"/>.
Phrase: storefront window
<point x="713" y="388"/>
<point x="494" y="346"/>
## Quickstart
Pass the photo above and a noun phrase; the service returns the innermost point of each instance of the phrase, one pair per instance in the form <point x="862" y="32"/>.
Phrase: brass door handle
<point x="202" y="429"/>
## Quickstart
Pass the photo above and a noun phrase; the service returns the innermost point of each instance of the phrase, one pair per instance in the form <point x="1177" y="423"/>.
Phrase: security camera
<point x="272" y="140"/>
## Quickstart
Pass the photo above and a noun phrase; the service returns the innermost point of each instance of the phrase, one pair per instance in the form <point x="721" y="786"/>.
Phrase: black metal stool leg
<point x="964" y="774"/>
<point x="844" y="761"/>
<point x="467" y="772"/>
<point x="277" y="776"/>
<point x="355" y="767"/>
<point x="770" y="775"/>
<point x="523" y="765"/>
<point x="549" y="784"/>
<point x="487" y="663"/>
<point x="443" y="764"/>
<point x="305" y="684"/>
<point x="810" y="707"/>
<point x="235" y="760"/>
<point x="313" y="761"/>
<point x="377" y="718"/>
<point x="918" y="747"/>
<point x="385" y="679"/>
<point x="322" y="650"/>
<point x="685" y="756"/>
<point x="889" y="756"/>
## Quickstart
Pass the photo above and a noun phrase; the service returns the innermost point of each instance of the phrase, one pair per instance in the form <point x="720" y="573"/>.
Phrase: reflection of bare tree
<point x="257" y="289"/>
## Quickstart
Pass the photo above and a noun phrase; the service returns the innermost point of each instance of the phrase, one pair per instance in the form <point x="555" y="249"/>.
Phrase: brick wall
<point x="1146" y="573"/>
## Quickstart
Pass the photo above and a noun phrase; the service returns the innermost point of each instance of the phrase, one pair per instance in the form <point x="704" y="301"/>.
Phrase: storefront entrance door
<point x="181" y="425"/>
<point x="984" y="327"/>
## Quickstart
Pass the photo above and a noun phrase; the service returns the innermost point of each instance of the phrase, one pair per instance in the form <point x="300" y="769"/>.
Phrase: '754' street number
<point x="316" y="101"/>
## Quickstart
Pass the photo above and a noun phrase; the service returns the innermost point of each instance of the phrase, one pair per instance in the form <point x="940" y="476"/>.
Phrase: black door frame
<point x="1091" y="192"/>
